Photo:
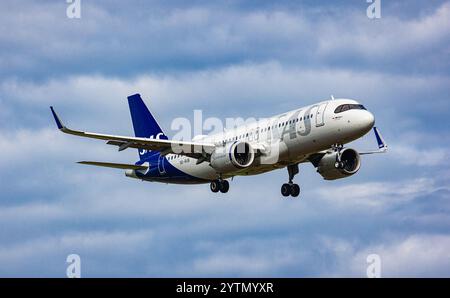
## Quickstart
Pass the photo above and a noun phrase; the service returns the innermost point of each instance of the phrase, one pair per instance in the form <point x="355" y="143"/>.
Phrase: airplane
<point x="316" y="133"/>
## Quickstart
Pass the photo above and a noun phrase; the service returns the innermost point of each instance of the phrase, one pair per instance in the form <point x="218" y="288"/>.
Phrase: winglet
<point x="57" y="120"/>
<point x="381" y="143"/>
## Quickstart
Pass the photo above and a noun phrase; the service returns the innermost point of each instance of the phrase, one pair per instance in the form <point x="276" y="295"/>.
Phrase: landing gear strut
<point x="220" y="185"/>
<point x="339" y="164"/>
<point x="291" y="189"/>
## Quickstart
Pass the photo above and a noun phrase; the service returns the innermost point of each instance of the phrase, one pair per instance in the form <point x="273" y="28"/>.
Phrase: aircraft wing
<point x="191" y="149"/>
<point x="113" y="165"/>
<point x="382" y="147"/>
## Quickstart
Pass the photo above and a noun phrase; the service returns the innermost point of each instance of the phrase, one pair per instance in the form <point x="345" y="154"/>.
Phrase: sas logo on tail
<point x="159" y="136"/>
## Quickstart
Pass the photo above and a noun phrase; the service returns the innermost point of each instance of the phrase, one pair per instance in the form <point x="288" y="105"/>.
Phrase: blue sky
<point x="229" y="59"/>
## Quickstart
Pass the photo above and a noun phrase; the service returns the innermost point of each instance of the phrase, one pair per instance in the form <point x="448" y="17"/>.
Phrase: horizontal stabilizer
<point x="113" y="165"/>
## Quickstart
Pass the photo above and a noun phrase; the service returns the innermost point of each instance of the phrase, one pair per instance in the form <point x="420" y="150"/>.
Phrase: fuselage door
<point x="161" y="168"/>
<point x="320" y="114"/>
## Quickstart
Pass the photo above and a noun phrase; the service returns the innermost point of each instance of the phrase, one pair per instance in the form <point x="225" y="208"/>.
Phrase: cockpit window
<point x="346" y="107"/>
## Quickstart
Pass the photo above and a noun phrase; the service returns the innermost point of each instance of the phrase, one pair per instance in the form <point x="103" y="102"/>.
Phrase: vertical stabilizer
<point x="144" y="124"/>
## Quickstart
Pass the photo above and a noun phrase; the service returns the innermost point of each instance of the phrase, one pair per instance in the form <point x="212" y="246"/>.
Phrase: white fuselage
<point x="287" y="138"/>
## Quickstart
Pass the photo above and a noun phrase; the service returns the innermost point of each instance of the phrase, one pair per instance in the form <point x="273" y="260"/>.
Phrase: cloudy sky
<point x="229" y="59"/>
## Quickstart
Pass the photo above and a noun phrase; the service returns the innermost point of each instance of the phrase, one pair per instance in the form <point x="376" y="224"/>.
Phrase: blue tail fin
<point x="144" y="124"/>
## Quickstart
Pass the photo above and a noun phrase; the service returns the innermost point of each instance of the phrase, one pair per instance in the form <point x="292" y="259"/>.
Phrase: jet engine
<point x="337" y="165"/>
<point x="232" y="157"/>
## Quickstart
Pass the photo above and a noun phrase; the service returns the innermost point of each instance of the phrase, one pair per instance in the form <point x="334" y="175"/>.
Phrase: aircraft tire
<point x="215" y="186"/>
<point x="224" y="186"/>
<point x="286" y="190"/>
<point x="295" y="190"/>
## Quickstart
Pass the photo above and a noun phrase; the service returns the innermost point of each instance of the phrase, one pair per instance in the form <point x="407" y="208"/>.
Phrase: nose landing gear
<point x="339" y="164"/>
<point x="291" y="189"/>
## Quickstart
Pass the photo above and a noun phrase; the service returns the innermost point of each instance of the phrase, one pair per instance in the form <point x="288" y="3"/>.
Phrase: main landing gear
<point x="291" y="189"/>
<point x="220" y="185"/>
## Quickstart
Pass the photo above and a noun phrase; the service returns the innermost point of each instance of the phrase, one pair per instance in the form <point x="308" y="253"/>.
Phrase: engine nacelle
<point x="331" y="169"/>
<point x="232" y="157"/>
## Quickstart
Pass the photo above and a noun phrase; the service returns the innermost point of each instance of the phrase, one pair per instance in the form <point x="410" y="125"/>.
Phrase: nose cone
<point x="363" y="122"/>
<point x="367" y="121"/>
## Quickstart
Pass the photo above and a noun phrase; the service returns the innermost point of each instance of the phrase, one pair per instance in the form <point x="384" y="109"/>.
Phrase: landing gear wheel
<point x="285" y="190"/>
<point x="295" y="190"/>
<point x="224" y="186"/>
<point x="215" y="186"/>
<point x="339" y="165"/>
<point x="291" y="189"/>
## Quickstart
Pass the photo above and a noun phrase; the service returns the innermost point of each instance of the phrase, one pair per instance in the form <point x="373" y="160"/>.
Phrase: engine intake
<point x="331" y="168"/>
<point x="232" y="157"/>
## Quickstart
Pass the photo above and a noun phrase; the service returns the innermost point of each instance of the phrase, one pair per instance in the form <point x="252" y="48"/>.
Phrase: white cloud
<point x="378" y="195"/>
<point x="429" y="157"/>
<point x="389" y="37"/>
<point x="249" y="257"/>
<point x="420" y="255"/>
<point x="100" y="251"/>
<point x="44" y="147"/>
<point x="204" y="36"/>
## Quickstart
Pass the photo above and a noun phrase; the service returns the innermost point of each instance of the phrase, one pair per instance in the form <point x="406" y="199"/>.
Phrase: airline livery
<point x="316" y="134"/>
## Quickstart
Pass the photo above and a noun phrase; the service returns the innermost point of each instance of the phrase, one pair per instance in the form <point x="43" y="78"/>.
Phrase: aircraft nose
<point x="368" y="120"/>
